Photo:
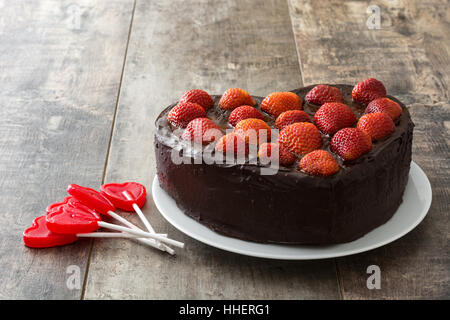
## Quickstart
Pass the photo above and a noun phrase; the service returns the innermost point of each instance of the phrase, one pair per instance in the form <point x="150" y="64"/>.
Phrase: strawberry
<point x="185" y="112"/>
<point x="235" y="97"/>
<point x="252" y="130"/>
<point x="322" y="93"/>
<point x="368" y="90"/>
<point x="290" y="117"/>
<point x="334" y="116"/>
<point x="378" y="125"/>
<point x="319" y="163"/>
<point x="279" y="102"/>
<point x="385" y="105"/>
<point x="232" y="144"/>
<point x="244" y="112"/>
<point x="285" y="158"/>
<point x="351" y="143"/>
<point x="199" y="97"/>
<point x="201" y="130"/>
<point x="300" y="138"/>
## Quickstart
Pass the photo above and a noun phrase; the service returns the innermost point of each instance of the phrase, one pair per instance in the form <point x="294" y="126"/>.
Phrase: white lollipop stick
<point x="139" y="212"/>
<point x="122" y="220"/>
<point x="140" y="233"/>
<point x="151" y="242"/>
<point x="73" y="189"/>
<point x="142" y="216"/>
<point x="111" y="235"/>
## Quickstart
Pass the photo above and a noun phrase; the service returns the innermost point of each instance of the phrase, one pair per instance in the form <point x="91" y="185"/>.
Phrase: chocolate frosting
<point x="289" y="206"/>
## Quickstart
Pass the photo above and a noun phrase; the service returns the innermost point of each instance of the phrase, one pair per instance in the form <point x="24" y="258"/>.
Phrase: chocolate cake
<point x="289" y="206"/>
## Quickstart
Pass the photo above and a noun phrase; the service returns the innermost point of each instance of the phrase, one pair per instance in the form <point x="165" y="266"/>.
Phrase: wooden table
<point x="82" y="82"/>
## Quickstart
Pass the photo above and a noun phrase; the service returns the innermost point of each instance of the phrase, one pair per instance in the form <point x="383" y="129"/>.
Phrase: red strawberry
<point x="244" y="112"/>
<point x="199" y="97"/>
<point x="232" y="144"/>
<point x="368" y="90"/>
<point x="235" y="97"/>
<point x="334" y="116"/>
<point x="290" y="117"/>
<point x="385" y="105"/>
<point x="252" y="130"/>
<point x="351" y="143"/>
<point x="300" y="138"/>
<point x="201" y="130"/>
<point x="322" y="93"/>
<point x="319" y="163"/>
<point x="185" y="112"/>
<point x="285" y="158"/>
<point x="378" y="125"/>
<point x="279" y="102"/>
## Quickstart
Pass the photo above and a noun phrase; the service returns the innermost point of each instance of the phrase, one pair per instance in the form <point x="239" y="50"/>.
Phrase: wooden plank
<point x="410" y="54"/>
<point x="173" y="47"/>
<point x="60" y="68"/>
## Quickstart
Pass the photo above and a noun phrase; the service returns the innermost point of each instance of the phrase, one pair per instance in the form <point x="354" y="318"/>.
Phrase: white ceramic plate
<point x="416" y="202"/>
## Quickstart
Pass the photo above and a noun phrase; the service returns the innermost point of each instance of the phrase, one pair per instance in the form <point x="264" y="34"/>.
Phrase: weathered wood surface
<point x="212" y="45"/>
<point x="59" y="83"/>
<point x="410" y="54"/>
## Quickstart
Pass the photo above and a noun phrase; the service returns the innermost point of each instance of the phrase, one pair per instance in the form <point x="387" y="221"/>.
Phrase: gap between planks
<point x="299" y="59"/>
<point x="91" y="246"/>
<point x="338" y="275"/>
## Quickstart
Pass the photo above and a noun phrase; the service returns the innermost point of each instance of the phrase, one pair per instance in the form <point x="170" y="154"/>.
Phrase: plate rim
<point x="414" y="167"/>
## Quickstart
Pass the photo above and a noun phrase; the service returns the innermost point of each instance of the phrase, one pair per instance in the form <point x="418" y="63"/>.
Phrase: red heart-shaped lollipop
<point x="72" y="219"/>
<point x="55" y="205"/>
<point x="91" y="198"/>
<point x="70" y="201"/>
<point x="39" y="236"/>
<point x="114" y="193"/>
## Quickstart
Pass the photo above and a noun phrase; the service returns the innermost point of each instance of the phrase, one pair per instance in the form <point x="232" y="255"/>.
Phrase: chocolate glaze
<point x="289" y="206"/>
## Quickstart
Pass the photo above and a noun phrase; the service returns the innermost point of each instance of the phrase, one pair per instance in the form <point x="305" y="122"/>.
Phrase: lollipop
<point x="70" y="204"/>
<point x="75" y="218"/>
<point x="39" y="236"/>
<point x="95" y="200"/>
<point x="71" y="201"/>
<point x="114" y="193"/>
<point x="128" y="196"/>
<point x="68" y="219"/>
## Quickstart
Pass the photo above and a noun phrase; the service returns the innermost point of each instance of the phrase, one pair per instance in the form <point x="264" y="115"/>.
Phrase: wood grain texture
<point x="59" y="83"/>
<point x="410" y="54"/>
<point x="173" y="47"/>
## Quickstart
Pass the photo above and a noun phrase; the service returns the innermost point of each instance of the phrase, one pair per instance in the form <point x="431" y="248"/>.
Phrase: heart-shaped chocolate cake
<point x="342" y="161"/>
